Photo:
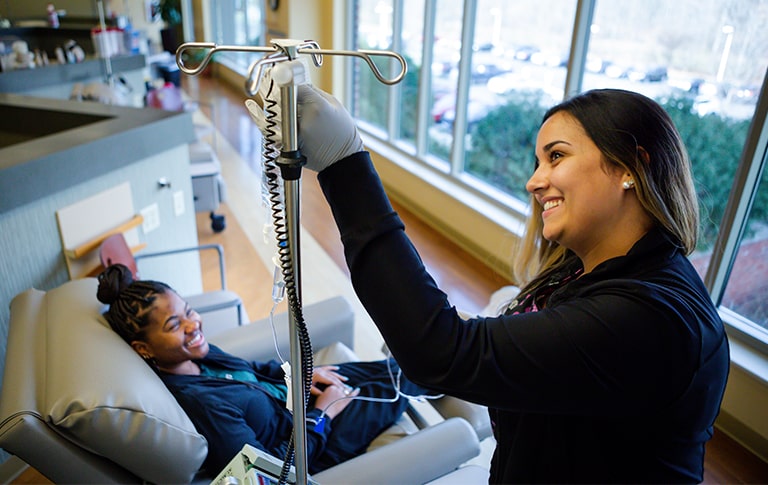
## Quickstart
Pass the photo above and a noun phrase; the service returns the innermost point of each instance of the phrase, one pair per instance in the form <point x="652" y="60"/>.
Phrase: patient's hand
<point x="326" y="376"/>
<point x="333" y="399"/>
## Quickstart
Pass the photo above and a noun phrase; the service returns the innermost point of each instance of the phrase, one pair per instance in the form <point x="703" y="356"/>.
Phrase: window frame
<point x="752" y="162"/>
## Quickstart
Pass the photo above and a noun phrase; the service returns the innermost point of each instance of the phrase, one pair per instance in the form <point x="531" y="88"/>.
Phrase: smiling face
<point x="174" y="335"/>
<point x="585" y="206"/>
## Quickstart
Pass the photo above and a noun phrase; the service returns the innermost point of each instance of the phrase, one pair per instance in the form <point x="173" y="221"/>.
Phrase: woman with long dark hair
<point x="611" y="363"/>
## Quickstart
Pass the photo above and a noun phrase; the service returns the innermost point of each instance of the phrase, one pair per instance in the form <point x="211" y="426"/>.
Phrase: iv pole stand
<point x="290" y="162"/>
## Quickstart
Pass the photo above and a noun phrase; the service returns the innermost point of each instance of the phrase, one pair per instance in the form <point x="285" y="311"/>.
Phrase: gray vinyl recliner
<point x="80" y="406"/>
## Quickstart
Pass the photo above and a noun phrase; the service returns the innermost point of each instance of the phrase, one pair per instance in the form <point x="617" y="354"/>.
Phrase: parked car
<point x="651" y="75"/>
<point x="746" y="94"/>
<point x="704" y="105"/>
<point x="615" y="71"/>
<point x="481" y="102"/>
<point x="595" y="64"/>
<point x="549" y="59"/>
<point x="524" y="52"/>
<point x="482" y="72"/>
<point x="503" y="83"/>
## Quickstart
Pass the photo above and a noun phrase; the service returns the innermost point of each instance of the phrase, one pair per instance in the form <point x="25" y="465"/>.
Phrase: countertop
<point x="53" y="153"/>
<point x="92" y="68"/>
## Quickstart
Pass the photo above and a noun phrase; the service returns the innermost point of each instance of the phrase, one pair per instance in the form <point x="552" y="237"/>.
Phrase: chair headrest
<point x="97" y="392"/>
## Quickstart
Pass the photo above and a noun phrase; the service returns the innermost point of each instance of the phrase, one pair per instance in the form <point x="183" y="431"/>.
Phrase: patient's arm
<point x="232" y="416"/>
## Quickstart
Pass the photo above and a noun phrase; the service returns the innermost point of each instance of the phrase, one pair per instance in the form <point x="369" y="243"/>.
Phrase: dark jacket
<point x="618" y="379"/>
<point x="230" y="413"/>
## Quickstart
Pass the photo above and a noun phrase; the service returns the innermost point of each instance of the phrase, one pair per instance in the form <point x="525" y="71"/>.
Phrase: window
<point x="517" y="71"/>
<point x="443" y="77"/>
<point x="706" y="73"/>
<point x="748" y="283"/>
<point x="482" y="72"/>
<point x="237" y="22"/>
<point x="375" y="21"/>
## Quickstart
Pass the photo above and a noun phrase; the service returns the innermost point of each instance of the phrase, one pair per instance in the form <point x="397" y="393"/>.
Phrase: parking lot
<point x="497" y="75"/>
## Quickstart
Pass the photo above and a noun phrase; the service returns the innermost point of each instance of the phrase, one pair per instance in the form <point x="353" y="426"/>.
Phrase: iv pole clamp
<point x="288" y="72"/>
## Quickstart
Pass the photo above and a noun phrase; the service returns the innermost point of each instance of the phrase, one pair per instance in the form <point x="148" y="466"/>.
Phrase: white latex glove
<point x="327" y="132"/>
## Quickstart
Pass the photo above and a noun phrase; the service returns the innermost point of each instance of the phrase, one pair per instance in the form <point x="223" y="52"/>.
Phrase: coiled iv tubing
<point x="277" y="208"/>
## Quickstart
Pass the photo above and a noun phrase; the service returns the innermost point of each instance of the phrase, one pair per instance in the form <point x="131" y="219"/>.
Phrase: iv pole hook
<point x="311" y="49"/>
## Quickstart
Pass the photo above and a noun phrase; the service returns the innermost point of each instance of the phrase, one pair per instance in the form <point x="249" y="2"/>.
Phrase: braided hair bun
<point x="112" y="281"/>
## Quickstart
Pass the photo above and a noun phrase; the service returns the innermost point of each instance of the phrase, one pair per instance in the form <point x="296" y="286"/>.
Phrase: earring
<point x="149" y="360"/>
<point x="628" y="184"/>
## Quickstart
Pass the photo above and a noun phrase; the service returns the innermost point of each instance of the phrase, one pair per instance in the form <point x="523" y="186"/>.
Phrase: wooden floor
<point x="463" y="278"/>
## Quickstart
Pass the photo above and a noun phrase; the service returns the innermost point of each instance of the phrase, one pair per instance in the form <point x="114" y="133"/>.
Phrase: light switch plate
<point x="151" y="215"/>
<point x="178" y="203"/>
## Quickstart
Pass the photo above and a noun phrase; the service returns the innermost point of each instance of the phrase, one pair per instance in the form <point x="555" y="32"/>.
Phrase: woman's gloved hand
<point x="327" y="132"/>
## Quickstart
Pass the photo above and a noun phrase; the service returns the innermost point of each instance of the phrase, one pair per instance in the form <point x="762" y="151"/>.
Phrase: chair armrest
<point x="475" y="414"/>
<point x="217" y="247"/>
<point x="327" y="321"/>
<point x="417" y="458"/>
<point x="466" y="475"/>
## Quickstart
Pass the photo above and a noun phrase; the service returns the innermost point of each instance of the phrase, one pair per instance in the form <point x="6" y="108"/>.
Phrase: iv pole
<point x="290" y="162"/>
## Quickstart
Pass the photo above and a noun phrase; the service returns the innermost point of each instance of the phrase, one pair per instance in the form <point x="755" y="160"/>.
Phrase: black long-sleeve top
<point x="618" y="379"/>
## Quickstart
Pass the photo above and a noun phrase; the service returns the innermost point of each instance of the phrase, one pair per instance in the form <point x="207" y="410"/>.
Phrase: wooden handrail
<point x="94" y="243"/>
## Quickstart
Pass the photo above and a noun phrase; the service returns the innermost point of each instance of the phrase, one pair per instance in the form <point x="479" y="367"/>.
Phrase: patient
<point x="233" y="402"/>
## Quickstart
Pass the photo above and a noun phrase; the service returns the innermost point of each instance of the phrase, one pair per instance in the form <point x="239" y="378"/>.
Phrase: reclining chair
<point x="80" y="406"/>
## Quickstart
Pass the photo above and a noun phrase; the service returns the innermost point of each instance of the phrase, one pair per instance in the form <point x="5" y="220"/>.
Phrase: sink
<point x="22" y="124"/>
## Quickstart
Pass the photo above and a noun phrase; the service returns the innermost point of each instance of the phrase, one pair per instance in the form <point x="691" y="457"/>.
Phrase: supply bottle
<point x="53" y="16"/>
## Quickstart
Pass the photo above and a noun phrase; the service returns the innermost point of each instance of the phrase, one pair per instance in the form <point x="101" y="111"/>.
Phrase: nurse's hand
<point x="327" y="132"/>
